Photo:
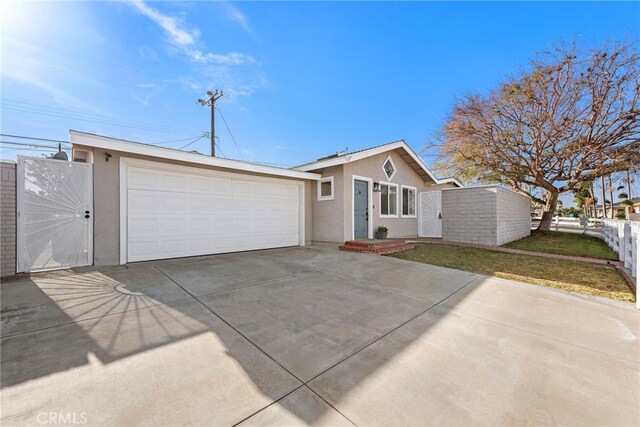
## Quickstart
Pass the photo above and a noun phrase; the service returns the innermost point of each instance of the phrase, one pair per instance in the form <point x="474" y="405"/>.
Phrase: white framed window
<point x="388" y="200"/>
<point x="408" y="201"/>
<point x="325" y="188"/>
<point x="389" y="168"/>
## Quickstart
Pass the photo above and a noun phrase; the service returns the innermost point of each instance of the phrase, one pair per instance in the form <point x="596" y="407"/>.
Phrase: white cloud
<point x="238" y="17"/>
<point x="188" y="38"/>
<point x="175" y="29"/>
<point x="233" y="58"/>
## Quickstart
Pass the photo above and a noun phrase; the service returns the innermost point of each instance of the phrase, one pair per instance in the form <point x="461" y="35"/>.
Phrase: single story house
<point x="119" y="201"/>
<point x="361" y="190"/>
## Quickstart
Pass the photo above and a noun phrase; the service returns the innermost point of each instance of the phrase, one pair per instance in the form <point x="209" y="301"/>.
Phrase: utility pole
<point x="211" y="102"/>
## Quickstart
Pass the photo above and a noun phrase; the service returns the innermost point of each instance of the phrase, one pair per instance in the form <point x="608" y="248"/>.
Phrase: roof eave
<point x="109" y="143"/>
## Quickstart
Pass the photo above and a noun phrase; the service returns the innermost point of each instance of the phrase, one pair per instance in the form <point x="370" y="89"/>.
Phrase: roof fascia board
<point x="372" y="152"/>
<point x="104" y="142"/>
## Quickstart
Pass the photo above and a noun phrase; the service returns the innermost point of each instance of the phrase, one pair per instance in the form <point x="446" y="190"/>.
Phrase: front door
<point x="361" y="209"/>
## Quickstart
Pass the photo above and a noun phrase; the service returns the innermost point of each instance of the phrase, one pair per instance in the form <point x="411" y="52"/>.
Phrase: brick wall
<point x="486" y="215"/>
<point x="7" y="218"/>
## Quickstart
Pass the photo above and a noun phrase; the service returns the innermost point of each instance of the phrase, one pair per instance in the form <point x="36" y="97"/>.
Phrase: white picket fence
<point x="624" y="238"/>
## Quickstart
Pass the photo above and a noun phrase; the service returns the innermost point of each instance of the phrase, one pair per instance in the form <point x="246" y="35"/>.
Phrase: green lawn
<point x="591" y="279"/>
<point x="555" y="242"/>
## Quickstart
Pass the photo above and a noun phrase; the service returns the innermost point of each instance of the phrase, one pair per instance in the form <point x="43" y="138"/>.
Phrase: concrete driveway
<point x="311" y="336"/>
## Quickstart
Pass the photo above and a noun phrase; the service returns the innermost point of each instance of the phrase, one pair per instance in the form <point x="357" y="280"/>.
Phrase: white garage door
<point x="178" y="211"/>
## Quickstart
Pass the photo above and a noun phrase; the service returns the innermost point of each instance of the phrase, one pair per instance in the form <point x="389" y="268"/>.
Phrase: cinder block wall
<point x="469" y="215"/>
<point x="487" y="215"/>
<point x="7" y="218"/>
<point x="514" y="216"/>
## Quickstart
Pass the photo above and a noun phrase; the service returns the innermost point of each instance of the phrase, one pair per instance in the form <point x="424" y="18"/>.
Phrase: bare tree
<point x="570" y="118"/>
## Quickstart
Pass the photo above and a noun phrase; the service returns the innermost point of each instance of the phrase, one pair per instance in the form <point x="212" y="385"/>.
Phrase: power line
<point x="33" y="138"/>
<point x="192" y="142"/>
<point x="83" y="56"/>
<point x="68" y="72"/>
<point x="229" y="130"/>
<point x="24" y="144"/>
<point x="61" y="111"/>
<point x="117" y="123"/>
<point x="38" y="108"/>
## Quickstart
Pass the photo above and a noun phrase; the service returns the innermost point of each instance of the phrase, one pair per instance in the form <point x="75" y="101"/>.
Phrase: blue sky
<point x="304" y="79"/>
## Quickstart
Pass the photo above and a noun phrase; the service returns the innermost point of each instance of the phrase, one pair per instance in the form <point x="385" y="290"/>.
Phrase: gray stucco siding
<point x="328" y="221"/>
<point x="371" y="167"/>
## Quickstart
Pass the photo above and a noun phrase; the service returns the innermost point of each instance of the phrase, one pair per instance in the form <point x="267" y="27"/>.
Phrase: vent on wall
<point x="82" y="156"/>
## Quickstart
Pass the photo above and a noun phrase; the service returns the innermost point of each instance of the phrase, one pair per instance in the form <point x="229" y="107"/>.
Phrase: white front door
<point x="430" y="214"/>
<point x="176" y="211"/>
<point x="55" y="214"/>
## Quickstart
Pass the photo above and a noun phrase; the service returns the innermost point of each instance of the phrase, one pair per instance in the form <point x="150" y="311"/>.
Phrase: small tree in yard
<point x="570" y="118"/>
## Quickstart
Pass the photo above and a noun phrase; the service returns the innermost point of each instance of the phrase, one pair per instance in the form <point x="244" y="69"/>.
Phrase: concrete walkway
<point x="513" y="251"/>
<point x="311" y="336"/>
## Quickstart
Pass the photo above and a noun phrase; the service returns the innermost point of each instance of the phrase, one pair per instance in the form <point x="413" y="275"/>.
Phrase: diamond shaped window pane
<point x="389" y="170"/>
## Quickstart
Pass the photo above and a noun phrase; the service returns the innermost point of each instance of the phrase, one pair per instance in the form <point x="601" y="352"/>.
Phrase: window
<point x="408" y="201"/>
<point x="325" y="188"/>
<point x="389" y="168"/>
<point x="388" y="200"/>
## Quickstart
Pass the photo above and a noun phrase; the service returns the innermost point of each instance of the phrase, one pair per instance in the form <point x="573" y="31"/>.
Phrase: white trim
<point x="126" y="162"/>
<point x="330" y="196"/>
<point x="415" y="201"/>
<point x="108" y="143"/>
<point x="390" y="184"/>
<point x="339" y="160"/>
<point x="301" y="214"/>
<point x="450" y="181"/>
<point x="370" y="205"/>
<point x="19" y="217"/>
<point x="395" y="169"/>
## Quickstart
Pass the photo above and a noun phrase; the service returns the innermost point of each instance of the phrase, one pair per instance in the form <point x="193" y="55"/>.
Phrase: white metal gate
<point x="55" y="209"/>
<point x="430" y="214"/>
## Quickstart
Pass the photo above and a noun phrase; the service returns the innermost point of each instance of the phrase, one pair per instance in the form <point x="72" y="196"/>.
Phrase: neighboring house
<point x="620" y="209"/>
<point x="362" y="190"/>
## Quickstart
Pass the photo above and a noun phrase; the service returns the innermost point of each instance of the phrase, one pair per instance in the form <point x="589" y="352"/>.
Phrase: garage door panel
<point x="171" y="214"/>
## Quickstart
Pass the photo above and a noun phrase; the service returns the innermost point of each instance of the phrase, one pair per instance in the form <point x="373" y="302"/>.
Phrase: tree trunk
<point x="611" y="195"/>
<point x="548" y="211"/>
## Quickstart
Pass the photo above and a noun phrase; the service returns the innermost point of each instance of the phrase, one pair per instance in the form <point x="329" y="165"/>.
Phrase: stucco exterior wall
<point x="513" y="215"/>
<point x="371" y="167"/>
<point x="106" y="197"/>
<point x="328" y="221"/>
<point x="486" y="215"/>
<point x="333" y="220"/>
<point x="7" y="218"/>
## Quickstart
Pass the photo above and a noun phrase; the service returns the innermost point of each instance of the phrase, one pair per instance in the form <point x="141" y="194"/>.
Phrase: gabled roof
<point x="401" y="147"/>
<point x="108" y="143"/>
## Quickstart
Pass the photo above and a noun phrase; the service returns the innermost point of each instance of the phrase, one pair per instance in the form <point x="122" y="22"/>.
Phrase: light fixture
<point x="376" y="187"/>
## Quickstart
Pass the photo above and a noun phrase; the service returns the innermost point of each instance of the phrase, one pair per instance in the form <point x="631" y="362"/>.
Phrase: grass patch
<point x="555" y="242"/>
<point x="591" y="279"/>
